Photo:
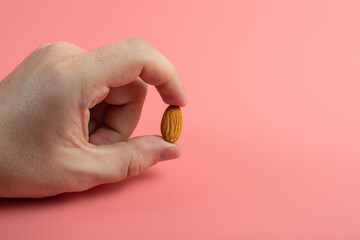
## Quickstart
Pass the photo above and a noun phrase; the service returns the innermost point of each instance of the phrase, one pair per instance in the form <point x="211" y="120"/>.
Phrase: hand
<point x="66" y="116"/>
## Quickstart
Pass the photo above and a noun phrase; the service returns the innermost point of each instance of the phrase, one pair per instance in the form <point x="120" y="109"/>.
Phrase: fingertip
<point x="156" y="146"/>
<point x="171" y="152"/>
<point x="181" y="101"/>
<point x="173" y="93"/>
<point x="184" y="102"/>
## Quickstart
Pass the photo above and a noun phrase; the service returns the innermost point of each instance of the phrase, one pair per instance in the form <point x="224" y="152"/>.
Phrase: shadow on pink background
<point x="271" y="134"/>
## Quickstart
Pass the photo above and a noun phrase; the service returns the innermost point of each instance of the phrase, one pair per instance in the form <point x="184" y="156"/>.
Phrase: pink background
<point x="271" y="134"/>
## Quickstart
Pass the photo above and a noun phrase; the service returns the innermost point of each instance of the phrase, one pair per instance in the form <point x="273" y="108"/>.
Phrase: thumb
<point x="115" y="162"/>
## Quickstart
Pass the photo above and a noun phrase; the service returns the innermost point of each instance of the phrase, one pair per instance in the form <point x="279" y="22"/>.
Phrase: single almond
<point x="171" y="124"/>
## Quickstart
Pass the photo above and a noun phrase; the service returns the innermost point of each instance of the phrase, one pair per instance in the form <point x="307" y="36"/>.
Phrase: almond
<point x="171" y="124"/>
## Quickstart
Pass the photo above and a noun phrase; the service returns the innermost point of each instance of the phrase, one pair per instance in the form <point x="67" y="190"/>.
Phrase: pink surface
<point x="271" y="134"/>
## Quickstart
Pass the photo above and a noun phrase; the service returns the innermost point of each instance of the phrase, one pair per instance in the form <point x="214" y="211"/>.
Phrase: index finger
<point x="120" y="63"/>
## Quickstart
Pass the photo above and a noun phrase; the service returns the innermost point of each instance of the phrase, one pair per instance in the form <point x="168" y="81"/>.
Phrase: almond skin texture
<point x="171" y="124"/>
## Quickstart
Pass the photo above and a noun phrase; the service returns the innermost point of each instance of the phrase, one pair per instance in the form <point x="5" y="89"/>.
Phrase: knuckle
<point x="141" y="88"/>
<point x="138" y="43"/>
<point x="138" y="47"/>
<point x="136" y="164"/>
<point x="61" y="44"/>
<point x="60" y="47"/>
<point x="57" y="72"/>
<point x="44" y="45"/>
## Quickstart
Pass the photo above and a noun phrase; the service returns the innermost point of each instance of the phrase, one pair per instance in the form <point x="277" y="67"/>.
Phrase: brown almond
<point x="171" y="124"/>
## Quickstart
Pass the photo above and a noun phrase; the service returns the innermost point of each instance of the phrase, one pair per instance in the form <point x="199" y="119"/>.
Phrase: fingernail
<point x="169" y="153"/>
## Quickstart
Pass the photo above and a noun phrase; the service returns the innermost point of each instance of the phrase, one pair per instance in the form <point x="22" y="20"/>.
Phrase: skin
<point x="66" y="116"/>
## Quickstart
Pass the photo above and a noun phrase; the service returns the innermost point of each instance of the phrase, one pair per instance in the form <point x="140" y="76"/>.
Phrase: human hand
<point x="66" y="116"/>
